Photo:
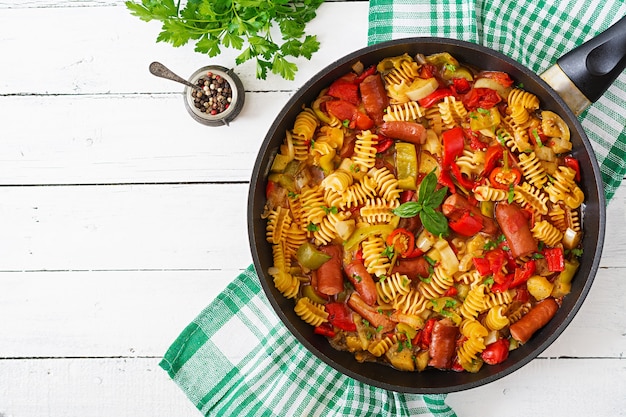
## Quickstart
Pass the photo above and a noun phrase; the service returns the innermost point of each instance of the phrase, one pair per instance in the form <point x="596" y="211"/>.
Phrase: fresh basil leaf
<point x="437" y="197"/>
<point x="434" y="221"/>
<point x="408" y="209"/>
<point x="427" y="187"/>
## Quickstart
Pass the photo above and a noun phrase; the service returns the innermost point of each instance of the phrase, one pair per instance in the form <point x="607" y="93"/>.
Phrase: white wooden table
<point x="121" y="218"/>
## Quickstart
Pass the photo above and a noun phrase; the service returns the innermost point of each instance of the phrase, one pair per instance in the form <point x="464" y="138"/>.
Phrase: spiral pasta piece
<point x="439" y="283"/>
<point x="492" y="299"/>
<point x="532" y="169"/>
<point x="475" y="343"/>
<point x="375" y="262"/>
<point x="305" y="125"/>
<point x="380" y="347"/>
<point x="530" y="197"/>
<point x="408" y="111"/>
<point x="386" y="184"/>
<point x="311" y="312"/>
<point x="453" y="112"/>
<point x="378" y="211"/>
<point x="474" y="302"/>
<point x="413" y="302"/>
<point x="496" y="318"/>
<point x="337" y="181"/>
<point x="286" y="283"/>
<point x="393" y="286"/>
<point x="544" y="231"/>
<point x="488" y="193"/>
<point x="278" y="222"/>
<point x="364" y="149"/>
<point x="519" y="312"/>
<point x="359" y="192"/>
<point x="312" y="201"/>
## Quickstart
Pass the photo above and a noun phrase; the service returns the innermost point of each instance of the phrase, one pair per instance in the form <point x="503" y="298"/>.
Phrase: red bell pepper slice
<point x="384" y="143"/>
<point x="435" y="97"/>
<point x="445" y="179"/>
<point x="451" y="292"/>
<point x="504" y="178"/>
<point x="427" y="71"/>
<point x="522" y="273"/>
<point x="371" y="70"/>
<point x="339" y="315"/>
<point x="453" y="143"/>
<point x="484" y="98"/>
<point x="496" y="352"/>
<point x="468" y="224"/>
<point x="555" y="258"/>
<point x="424" y="336"/>
<point x="500" y="77"/>
<point x="573" y="163"/>
<point x="492" y="156"/>
<point x="502" y="283"/>
<point x="402" y="241"/>
<point x="465" y="183"/>
<point x="344" y="110"/>
<point x="461" y="85"/>
<point x="482" y="266"/>
<point x="474" y="142"/>
<point x="325" y="329"/>
<point x="344" y="90"/>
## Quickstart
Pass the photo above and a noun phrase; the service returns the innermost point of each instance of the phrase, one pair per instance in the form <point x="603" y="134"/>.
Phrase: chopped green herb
<point x="489" y="280"/>
<point x="312" y="227"/>
<point x="511" y="194"/>
<point x="379" y="328"/>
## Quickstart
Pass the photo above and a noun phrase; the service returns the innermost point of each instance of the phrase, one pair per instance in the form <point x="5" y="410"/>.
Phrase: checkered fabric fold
<point x="237" y="359"/>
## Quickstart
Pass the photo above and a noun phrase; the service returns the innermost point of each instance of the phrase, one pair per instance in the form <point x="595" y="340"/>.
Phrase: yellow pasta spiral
<point x="380" y="347"/>
<point x="435" y="121"/>
<point x="519" y="97"/>
<point x="278" y="221"/>
<point x="312" y="200"/>
<point x="408" y="111"/>
<point x="530" y="197"/>
<point x="294" y="238"/>
<point x="532" y="169"/>
<point x="377" y="211"/>
<point x="471" y="278"/>
<point x="412" y="302"/>
<point x="305" y="124"/>
<point x="452" y="112"/>
<point x="386" y="183"/>
<point x="475" y="343"/>
<point x="393" y="286"/>
<point x="564" y="188"/>
<point x="311" y="312"/>
<point x="337" y="181"/>
<point x="471" y="163"/>
<point x="474" y="302"/>
<point x="360" y="192"/>
<point x="544" y="231"/>
<point x="439" y="283"/>
<point x="488" y="193"/>
<point x="364" y="149"/>
<point x="373" y="258"/>
<point x="405" y="71"/>
<point x="326" y="230"/>
<point x="286" y="283"/>
<point x="519" y="135"/>
<point x="492" y="299"/>
<point x="496" y="319"/>
<point x="519" y="312"/>
<point x="300" y="148"/>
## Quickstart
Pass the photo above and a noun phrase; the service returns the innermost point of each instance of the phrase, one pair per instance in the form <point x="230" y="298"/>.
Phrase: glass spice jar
<point x="220" y="99"/>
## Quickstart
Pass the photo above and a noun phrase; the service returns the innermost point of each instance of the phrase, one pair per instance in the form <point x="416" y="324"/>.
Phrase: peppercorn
<point x="216" y="94"/>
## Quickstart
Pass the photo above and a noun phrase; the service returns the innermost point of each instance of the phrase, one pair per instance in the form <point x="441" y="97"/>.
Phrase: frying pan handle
<point x="594" y="65"/>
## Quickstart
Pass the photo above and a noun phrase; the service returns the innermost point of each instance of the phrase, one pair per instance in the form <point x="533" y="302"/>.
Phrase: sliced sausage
<point x="534" y="320"/>
<point x="362" y="281"/>
<point x="374" y="97"/>
<point x="376" y="319"/>
<point x="330" y="274"/>
<point x="456" y="205"/>
<point x="516" y="229"/>
<point x="443" y="344"/>
<point x="406" y="131"/>
<point x="414" y="268"/>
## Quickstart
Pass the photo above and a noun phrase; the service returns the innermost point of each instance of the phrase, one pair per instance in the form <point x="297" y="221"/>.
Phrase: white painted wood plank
<point x="138" y="388"/>
<point x="564" y="387"/>
<point x="113" y="139"/>
<point x="90" y="388"/>
<point x="124" y="227"/>
<point x="140" y="313"/>
<point x="105" y="49"/>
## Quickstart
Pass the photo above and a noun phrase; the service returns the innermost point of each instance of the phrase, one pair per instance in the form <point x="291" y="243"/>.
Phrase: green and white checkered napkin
<point x="237" y="359"/>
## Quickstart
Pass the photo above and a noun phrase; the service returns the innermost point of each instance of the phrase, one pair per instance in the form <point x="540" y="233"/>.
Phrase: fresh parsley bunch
<point x="213" y="24"/>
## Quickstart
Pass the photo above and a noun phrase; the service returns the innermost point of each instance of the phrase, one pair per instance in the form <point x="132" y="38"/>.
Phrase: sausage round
<point x="456" y="205"/>
<point x="443" y="344"/>
<point x="515" y="227"/>
<point x="330" y="274"/>
<point x="534" y="320"/>
<point x="406" y="131"/>
<point x="362" y="281"/>
<point x="374" y="97"/>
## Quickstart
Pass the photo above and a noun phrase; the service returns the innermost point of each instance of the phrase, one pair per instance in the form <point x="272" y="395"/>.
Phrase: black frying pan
<point x="593" y="67"/>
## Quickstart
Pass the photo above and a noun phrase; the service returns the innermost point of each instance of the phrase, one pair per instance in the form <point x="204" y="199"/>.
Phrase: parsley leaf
<point x="245" y="25"/>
